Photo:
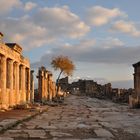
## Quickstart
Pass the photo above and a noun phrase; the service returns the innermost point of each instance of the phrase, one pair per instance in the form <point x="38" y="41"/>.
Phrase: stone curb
<point x="9" y="123"/>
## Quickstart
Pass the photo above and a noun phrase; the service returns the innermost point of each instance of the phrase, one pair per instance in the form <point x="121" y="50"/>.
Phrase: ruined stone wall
<point x="14" y="76"/>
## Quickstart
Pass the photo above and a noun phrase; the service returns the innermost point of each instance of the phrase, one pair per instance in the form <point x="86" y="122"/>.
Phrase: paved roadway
<point x="81" y="118"/>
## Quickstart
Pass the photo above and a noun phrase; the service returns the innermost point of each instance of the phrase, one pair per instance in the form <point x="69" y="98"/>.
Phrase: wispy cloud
<point x="46" y="25"/>
<point x="126" y="27"/>
<point x="7" y="6"/>
<point x="98" y="15"/>
<point x="29" y="6"/>
<point x="115" y="53"/>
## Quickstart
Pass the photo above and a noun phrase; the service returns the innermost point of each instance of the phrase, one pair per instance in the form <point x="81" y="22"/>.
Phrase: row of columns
<point x="46" y="86"/>
<point x="12" y="83"/>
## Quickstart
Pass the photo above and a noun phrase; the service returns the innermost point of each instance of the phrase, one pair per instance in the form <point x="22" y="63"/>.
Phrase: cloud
<point x="101" y="80"/>
<point x="70" y="50"/>
<point x="94" y="53"/>
<point x="6" y="6"/>
<point x="47" y="25"/>
<point x="99" y="16"/>
<point x="61" y="22"/>
<point x="109" y="42"/>
<point x="29" y="6"/>
<point x="126" y="27"/>
<point x="24" y="32"/>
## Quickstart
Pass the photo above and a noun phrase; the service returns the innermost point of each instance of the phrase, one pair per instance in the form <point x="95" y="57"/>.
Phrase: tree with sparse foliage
<point x="65" y="65"/>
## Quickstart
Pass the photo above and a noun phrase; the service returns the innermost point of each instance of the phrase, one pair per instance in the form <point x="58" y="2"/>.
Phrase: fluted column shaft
<point x="3" y="82"/>
<point x="23" y="97"/>
<point x="17" y="84"/>
<point x="28" y="85"/>
<point x="11" y="96"/>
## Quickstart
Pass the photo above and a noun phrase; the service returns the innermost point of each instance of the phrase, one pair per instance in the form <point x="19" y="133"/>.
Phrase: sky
<point x="101" y="37"/>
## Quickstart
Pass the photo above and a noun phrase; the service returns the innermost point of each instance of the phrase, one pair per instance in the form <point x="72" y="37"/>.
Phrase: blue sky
<point x="102" y="37"/>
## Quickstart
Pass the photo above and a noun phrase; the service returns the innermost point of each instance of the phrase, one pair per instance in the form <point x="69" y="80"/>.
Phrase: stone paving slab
<point x="6" y="138"/>
<point x="13" y="117"/>
<point x="4" y="124"/>
<point x="82" y="118"/>
<point x="36" y="133"/>
<point x="103" y="133"/>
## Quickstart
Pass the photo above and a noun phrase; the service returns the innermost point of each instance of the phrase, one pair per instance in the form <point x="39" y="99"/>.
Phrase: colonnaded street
<point x="80" y="118"/>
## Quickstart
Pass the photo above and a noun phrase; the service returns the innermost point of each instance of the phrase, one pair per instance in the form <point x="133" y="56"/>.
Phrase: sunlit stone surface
<point x="14" y="76"/>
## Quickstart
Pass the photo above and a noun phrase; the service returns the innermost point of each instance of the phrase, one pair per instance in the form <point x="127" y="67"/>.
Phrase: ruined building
<point x="90" y="88"/>
<point x="134" y="99"/>
<point x="46" y="86"/>
<point x="64" y="84"/>
<point x="14" y="75"/>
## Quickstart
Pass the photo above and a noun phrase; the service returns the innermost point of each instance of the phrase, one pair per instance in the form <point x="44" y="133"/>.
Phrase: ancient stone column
<point x="54" y="90"/>
<point x="32" y="86"/>
<point x="17" y="84"/>
<point x="28" y="85"/>
<point x="11" y="96"/>
<point x="46" y="85"/>
<point x="3" y="83"/>
<point x="41" y="84"/>
<point x="50" y="86"/>
<point x="47" y="91"/>
<point x="23" y="95"/>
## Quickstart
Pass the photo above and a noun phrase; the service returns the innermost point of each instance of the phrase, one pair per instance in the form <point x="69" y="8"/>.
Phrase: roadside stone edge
<point x="9" y="123"/>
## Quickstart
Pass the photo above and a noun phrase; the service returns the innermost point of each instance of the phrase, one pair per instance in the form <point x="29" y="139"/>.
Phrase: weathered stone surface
<point x="7" y="123"/>
<point x="47" y="127"/>
<point x="15" y="72"/>
<point x="59" y="134"/>
<point x="16" y="133"/>
<point x="36" y="133"/>
<point x="1" y="127"/>
<point x="6" y="138"/>
<point x="103" y="133"/>
<point x="46" y="86"/>
<point x="82" y="118"/>
<point x="134" y="99"/>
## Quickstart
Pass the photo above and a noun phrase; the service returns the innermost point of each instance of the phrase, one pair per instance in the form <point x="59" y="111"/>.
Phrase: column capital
<point x="3" y="57"/>
<point x="11" y="61"/>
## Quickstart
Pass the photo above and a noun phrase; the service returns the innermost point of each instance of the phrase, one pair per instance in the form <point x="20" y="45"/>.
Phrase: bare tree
<point x="65" y="65"/>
